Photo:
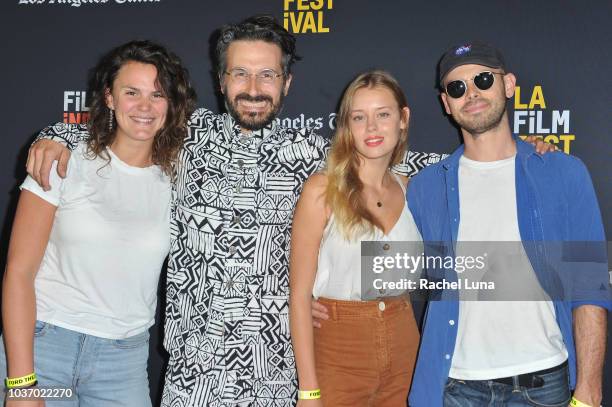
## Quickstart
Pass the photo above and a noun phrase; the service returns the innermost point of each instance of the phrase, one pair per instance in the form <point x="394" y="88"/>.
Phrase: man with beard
<point x="496" y="188"/>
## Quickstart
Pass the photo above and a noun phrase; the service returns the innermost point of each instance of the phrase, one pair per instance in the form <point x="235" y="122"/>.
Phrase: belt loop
<point x="334" y="311"/>
<point x="407" y="301"/>
<point x="515" y="384"/>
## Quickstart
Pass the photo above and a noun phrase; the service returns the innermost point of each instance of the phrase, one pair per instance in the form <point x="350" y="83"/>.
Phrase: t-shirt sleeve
<point x="61" y="188"/>
<point x="320" y="146"/>
<point x="55" y="181"/>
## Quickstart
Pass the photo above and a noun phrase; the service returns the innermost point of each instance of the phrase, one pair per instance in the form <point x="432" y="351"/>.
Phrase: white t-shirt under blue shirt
<point x="110" y="236"/>
<point x="500" y="338"/>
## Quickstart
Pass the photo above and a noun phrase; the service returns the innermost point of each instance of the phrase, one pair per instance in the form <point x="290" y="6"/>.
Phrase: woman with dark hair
<point x="80" y="287"/>
<point x="364" y="354"/>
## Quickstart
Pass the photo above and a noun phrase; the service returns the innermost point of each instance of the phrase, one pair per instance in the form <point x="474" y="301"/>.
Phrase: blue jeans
<point x="477" y="393"/>
<point x="101" y="372"/>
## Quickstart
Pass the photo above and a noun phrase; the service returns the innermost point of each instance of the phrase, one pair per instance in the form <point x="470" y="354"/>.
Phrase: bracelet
<point x="309" y="394"/>
<point x="574" y="402"/>
<point x="23" y="381"/>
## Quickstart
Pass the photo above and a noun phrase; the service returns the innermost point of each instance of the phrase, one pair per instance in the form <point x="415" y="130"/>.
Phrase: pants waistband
<point x="530" y="380"/>
<point x="338" y="309"/>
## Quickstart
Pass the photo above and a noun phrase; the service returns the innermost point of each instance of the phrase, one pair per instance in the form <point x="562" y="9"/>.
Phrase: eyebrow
<point x="378" y="108"/>
<point x="140" y="90"/>
<point x="248" y="70"/>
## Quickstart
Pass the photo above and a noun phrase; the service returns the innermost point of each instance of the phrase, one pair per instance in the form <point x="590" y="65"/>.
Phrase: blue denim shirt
<point x="555" y="202"/>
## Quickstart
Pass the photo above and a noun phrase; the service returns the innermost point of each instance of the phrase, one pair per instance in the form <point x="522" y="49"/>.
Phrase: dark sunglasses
<point x="483" y="81"/>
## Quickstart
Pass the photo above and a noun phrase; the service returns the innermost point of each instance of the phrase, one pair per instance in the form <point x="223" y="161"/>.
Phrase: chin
<point x="378" y="151"/>
<point x="375" y="155"/>
<point x="256" y="118"/>
<point x="142" y="136"/>
<point x="258" y="122"/>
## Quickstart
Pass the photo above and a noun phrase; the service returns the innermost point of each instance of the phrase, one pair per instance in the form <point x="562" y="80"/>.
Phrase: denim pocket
<point x="554" y="393"/>
<point x="538" y="400"/>
<point x="450" y="383"/>
<point x="40" y="328"/>
<point x="133" y="341"/>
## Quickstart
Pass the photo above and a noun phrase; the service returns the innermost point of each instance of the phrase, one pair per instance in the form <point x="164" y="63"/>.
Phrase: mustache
<point x="248" y="98"/>
<point x="472" y="103"/>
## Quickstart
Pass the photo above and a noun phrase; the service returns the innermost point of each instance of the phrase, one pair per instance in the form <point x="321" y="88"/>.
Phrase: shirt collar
<point x="523" y="152"/>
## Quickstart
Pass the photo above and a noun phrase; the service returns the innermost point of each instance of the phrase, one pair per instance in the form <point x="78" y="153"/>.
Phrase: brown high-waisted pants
<point x="365" y="352"/>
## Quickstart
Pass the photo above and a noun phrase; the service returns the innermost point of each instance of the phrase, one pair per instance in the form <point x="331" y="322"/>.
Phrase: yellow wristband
<point x="574" y="402"/>
<point x="23" y="381"/>
<point x="309" y="394"/>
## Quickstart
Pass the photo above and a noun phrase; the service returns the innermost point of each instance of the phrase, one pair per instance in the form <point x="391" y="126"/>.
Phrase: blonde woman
<point x="364" y="354"/>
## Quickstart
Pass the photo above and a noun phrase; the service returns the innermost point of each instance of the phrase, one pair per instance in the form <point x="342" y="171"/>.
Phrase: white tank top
<point x="339" y="265"/>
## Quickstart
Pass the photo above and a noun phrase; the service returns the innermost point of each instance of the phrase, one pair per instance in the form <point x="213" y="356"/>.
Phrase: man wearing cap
<point x="496" y="188"/>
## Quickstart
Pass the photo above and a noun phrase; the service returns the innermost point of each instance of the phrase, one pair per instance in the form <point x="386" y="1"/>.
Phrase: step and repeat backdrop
<point x="559" y="51"/>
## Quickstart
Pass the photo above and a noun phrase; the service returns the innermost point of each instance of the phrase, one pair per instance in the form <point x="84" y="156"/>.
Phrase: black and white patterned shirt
<point x="227" y="312"/>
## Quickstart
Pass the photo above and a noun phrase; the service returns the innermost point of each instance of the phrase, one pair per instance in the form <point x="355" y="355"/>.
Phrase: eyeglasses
<point x="483" y="81"/>
<point x="267" y="76"/>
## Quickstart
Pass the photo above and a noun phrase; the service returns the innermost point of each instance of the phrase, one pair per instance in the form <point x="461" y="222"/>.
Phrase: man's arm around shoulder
<point x="54" y="143"/>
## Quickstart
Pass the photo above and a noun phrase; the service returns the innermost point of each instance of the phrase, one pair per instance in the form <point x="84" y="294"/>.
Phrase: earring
<point x="111" y="117"/>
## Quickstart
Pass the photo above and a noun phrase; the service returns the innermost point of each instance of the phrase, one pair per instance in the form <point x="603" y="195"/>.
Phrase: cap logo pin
<point x="464" y="49"/>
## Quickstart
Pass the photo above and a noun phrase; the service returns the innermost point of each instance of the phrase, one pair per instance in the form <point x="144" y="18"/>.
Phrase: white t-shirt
<point x="110" y="236"/>
<point x="500" y="338"/>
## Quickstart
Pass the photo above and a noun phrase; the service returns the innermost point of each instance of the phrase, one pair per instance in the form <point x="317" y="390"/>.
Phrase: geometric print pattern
<point x="227" y="313"/>
<point x="227" y="316"/>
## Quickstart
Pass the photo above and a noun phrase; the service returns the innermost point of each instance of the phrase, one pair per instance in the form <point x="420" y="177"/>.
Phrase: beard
<point x="254" y="120"/>
<point x="485" y="121"/>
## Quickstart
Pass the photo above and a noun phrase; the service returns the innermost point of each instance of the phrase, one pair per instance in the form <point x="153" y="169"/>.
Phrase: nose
<point x="472" y="91"/>
<point x="252" y="86"/>
<point x="371" y="124"/>
<point x="144" y="104"/>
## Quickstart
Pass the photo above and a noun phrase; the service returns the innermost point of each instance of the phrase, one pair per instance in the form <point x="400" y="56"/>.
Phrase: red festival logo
<point x="76" y="110"/>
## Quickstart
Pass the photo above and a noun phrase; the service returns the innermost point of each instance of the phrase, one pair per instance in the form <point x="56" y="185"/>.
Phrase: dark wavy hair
<point x="173" y="80"/>
<point x="261" y="27"/>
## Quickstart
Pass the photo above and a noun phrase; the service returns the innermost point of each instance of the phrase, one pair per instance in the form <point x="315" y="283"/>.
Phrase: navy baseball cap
<point x="476" y="52"/>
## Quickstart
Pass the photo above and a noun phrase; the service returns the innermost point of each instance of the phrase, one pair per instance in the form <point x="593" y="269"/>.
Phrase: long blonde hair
<point x="344" y="188"/>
